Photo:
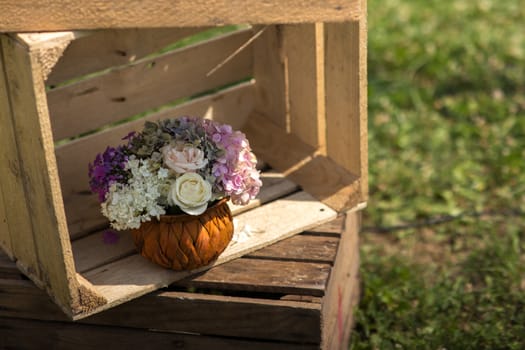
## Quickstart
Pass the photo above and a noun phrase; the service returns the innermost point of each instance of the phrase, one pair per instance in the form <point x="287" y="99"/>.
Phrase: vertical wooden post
<point x="37" y="209"/>
<point x="346" y="96"/>
<point x="290" y="74"/>
<point x="16" y="211"/>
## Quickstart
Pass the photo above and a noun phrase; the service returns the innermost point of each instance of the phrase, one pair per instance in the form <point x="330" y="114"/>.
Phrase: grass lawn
<point x="443" y="262"/>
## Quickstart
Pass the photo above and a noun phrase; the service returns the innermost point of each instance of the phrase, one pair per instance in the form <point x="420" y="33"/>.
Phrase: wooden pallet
<point x="295" y="294"/>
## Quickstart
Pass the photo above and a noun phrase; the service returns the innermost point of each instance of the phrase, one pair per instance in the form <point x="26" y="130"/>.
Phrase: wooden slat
<point x="315" y="173"/>
<point x="232" y="316"/>
<point x="343" y="277"/>
<point x="261" y="275"/>
<point x="100" y="50"/>
<point x="26" y="15"/>
<point x="304" y="48"/>
<point x="146" y="84"/>
<point x="268" y="70"/>
<point x="91" y="252"/>
<point x="15" y="206"/>
<point x="316" y="249"/>
<point x="334" y="227"/>
<point x="288" y="68"/>
<point x="61" y="335"/>
<point x="133" y="276"/>
<point x="231" y="106"/>
<point x="183" y="312"/>
<point x="39" y="174"/>
<point x="346" y="97"/>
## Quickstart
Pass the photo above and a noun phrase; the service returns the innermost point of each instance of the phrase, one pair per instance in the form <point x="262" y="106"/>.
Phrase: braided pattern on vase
<point x="186" y="242"/>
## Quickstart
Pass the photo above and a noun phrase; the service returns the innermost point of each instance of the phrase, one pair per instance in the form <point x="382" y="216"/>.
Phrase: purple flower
<point x="108" y="168"/>
<point x="110" y="237"/>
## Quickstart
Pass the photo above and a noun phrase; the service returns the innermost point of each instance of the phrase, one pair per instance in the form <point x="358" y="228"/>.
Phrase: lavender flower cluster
<point x="174" y="165"/>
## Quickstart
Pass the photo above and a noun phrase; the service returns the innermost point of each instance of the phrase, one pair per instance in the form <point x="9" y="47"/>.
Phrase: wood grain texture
<point x="304" y="50"/>
<point x="317" y="174"/>
<point x="231" y="106"/>
<point x="5" y="237"/>
<point x="11" y="186"/>
<point x="91" y="251"/>
<point x="346" y="97"/>
<point x="134" y="276"/>
<point x="39" y="174"/>
<point x="289" y="71"/>
<point x="268" y="71"/>
<point x="247" y="317"/>
<point x="94" y="51"/>
<point x="26" y="15"/>
<point x="46" y="48"/>
<point x="148" y="83"/>
<point x="334" y="227"/>
<point x="61" y="335"/>
<point x="341" y="286"/>
<point x="262" y="275"/>
<point x="301" y="248"/>
<point x="294" y="319"/>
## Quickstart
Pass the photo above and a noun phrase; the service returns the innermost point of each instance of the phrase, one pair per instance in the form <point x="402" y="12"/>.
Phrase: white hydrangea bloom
<point x="128" y="205"/>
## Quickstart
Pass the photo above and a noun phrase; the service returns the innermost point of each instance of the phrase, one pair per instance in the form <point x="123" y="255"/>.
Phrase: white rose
<point x="183" y="157"/>
<point x="191" y="193"/>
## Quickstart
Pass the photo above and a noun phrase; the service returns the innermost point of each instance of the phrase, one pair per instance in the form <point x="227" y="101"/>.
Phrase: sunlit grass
<point x="446" y="137"/>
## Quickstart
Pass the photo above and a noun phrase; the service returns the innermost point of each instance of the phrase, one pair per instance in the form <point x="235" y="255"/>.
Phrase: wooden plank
<point x="262" y="275"/>
<point x="13" y="202"/>
<point x="301" y="248"/>
<point x="268" y="71"/>
<point x="303" y="164"/>
<point x="335" y="227"/>
<point x="304" y="49"/>
<point x="61" y="335"/>
<point x="346" y="97"/>
<point x="338" y="298"/>
<point x="133" y="276"/>
<point x="146" y="84"/>
<point x="231" y="106"/>
<point x="100" y="50"/>
<point x="289" y="71"/>
<point x="90" y="252"/>
<point x="183" y="312"/>
<point x="349" y="322"/>
<point x="244" y="317"/>
<point x="26" y="15"/>
<point x="39" y="175"/>
<point x="275" y="185"/>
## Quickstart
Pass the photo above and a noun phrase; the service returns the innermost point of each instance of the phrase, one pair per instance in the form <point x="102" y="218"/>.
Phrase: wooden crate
<point x="295" y="294"/>
<point x="297" y="90"/>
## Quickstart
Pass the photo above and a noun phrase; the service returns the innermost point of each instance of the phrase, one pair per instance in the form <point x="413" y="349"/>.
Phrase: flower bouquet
<point x="170" y="183"/>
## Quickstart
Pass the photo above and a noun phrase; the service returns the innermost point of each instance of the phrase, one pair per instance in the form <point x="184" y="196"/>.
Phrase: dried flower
<point x="175" y="164"/>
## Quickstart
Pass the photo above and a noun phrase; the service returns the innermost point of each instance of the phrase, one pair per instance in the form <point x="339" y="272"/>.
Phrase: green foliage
<point x="446" y="136"/>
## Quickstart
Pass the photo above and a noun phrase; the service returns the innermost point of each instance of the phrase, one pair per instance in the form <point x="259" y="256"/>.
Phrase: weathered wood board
<point x="280" y="310"/>
<point x="54" y="15"/>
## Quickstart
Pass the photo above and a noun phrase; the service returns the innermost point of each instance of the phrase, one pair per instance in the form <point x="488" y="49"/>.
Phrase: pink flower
<point x="183" y="158"/>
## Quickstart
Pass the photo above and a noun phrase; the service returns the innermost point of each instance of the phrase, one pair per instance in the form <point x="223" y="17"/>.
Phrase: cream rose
<point x="183" y="158"/>
<point x="191" y="193"/>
